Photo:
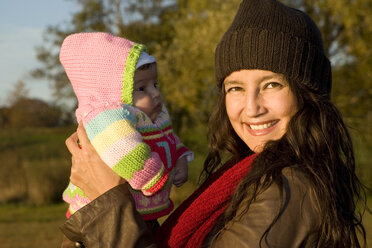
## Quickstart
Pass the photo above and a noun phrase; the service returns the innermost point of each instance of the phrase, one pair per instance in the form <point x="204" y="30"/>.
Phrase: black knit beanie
<point x="268" y="35"/>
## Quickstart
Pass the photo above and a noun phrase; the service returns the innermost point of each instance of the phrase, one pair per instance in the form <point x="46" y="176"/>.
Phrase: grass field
<point x="31" y="227"/>
<point x="38" y="226"/>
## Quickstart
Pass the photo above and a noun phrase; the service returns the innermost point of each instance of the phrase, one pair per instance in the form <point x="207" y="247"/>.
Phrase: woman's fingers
<point x="71" y="143"/>
<point x="93" y="176"/>
<point x="77" y="171"/>
<point x="82" y="135"/>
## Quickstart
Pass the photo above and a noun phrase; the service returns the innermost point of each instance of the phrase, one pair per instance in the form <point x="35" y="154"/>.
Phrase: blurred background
<point x="37" y="103"/>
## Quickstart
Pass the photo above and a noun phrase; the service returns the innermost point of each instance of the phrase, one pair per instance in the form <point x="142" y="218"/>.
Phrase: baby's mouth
<point x="159" y="106"/>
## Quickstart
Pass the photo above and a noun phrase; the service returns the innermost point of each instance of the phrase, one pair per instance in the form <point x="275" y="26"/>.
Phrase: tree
<point x="114" y="16"/>
<point x="19" y="91"/>
<point x="186" y="65"/>
<point x="30" y="112"/>
<point x="354" y="79"/>
<point x="92" y="16"/>
<point x="347" y="37"/>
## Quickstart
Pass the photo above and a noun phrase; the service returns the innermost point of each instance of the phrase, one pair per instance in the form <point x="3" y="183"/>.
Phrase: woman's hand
<point x="88" y="171"/>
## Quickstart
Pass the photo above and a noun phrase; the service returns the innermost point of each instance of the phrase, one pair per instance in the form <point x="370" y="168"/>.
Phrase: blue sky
<point x="22" y="23"/>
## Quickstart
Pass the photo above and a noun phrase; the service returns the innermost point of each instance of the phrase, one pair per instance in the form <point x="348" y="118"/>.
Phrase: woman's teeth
<point x="262" y="126"/>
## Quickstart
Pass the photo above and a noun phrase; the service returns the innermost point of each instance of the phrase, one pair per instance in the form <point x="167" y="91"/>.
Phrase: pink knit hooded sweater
<point x="101" y="68"/>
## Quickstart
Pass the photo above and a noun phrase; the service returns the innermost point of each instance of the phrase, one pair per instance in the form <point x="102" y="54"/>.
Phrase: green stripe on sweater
<point x="133" y="162"/>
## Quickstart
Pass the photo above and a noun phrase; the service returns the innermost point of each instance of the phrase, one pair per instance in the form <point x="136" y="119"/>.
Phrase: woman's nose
<point x="253" y="105"/>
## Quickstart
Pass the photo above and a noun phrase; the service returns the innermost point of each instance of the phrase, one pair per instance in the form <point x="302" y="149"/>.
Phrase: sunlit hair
<point x="318" y="144"/>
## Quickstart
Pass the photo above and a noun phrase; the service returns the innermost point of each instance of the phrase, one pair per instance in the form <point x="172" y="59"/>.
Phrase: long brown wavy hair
<point x="317" y="143"/>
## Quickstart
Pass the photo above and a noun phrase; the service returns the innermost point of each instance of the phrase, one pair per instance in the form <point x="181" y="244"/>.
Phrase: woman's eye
<point x="272" y="85"/>
<point x="156" y="84"/>
<point x="141" y="88"/>
<point x="233" y="89"/>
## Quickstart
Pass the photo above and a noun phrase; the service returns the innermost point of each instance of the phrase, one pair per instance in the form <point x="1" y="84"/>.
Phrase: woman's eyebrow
<point x="266" y="78"/>
<point x="262" y="79"/>
<point x="271" y="77"/>
<point x="229" y="82"/>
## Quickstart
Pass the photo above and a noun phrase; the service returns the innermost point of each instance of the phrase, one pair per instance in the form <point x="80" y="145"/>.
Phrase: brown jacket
<point x="112" y="221"/>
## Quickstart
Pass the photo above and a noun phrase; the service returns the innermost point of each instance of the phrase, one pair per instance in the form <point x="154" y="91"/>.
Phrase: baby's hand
<point x="180" y="172"/>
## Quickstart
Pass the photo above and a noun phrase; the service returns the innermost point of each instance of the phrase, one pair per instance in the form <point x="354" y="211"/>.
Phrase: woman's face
<point x="259" y="105"/>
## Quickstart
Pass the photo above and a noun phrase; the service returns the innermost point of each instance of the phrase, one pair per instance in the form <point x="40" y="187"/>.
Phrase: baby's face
<point x="146" y="95"/>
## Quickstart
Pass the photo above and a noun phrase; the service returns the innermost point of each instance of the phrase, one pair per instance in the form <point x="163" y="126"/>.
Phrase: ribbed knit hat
<point x="268" y="35"/>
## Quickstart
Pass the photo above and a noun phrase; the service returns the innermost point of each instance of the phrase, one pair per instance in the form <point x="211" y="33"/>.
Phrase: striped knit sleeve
<point x="113" y="134"/>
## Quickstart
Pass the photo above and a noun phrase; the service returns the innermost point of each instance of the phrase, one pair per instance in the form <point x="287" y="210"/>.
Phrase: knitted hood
<point x="101" y="68"/>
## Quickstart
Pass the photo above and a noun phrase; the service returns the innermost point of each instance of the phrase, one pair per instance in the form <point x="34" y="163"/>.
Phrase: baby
<point x="121" y="108"/>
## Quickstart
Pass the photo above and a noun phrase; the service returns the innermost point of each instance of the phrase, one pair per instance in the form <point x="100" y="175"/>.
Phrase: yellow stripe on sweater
<point x="156" y="136"/>
<point x="112" y="134"/>
<point x="154" y="180"/>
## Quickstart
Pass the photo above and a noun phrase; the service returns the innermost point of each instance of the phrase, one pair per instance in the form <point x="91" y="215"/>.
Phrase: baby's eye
<point x="156" y="84"/>
<point x="141" y="89"/>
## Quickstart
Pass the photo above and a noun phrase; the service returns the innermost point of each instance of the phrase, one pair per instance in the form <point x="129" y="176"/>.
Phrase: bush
<point x="33" y="182"/>
<point x="30" y="112"/>
<point x="35" y="165"/>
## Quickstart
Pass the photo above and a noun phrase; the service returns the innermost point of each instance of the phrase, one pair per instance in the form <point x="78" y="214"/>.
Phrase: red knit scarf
<point x="190" y="223"/>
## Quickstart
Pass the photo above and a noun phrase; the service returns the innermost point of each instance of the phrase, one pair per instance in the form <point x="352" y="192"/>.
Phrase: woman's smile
<point x="262" y="128"/>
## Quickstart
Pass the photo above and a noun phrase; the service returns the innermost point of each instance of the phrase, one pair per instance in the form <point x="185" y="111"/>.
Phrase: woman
<point x="291" y="178"/>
